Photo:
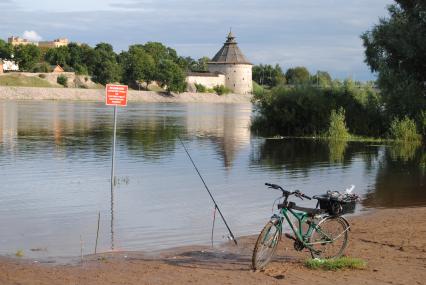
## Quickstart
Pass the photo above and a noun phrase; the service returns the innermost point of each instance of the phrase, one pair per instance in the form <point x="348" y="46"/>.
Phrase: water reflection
<point x="401" y="178"/>
<point x="406" y="151"/>
<point x="337" y="150"/>
<point x="305" y="154"/>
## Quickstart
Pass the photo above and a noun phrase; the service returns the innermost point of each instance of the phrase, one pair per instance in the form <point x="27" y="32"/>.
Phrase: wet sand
<point x="392" y="241"/>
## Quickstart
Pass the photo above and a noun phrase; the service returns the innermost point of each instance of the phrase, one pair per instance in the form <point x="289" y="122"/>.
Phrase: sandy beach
<point x="98" y="95"/>
<point x="392" y="241"/>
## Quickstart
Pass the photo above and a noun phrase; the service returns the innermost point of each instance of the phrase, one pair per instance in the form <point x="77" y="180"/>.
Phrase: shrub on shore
<point x="221" y="89"/>
<point x="63" y="80"/>
<point x="305" y="110"/>
<point x="200" y="88"/>
<point x="337" y="129"/>
<point x="404" y="130"/>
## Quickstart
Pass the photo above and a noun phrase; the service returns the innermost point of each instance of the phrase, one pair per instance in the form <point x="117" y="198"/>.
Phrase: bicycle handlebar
<point x="297" y="193"/>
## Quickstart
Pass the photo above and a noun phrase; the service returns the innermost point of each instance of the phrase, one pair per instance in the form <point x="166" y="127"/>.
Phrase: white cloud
<point x="32" y="36"/>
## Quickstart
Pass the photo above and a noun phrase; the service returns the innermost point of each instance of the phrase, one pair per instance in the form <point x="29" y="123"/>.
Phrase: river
<point x="55" y="160"/>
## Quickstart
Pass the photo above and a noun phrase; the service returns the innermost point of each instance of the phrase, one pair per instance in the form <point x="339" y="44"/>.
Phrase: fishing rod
<point x="208" y="191"/>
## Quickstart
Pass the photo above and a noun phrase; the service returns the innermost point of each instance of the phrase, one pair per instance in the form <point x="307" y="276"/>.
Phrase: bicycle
<point x="326" y="235"/>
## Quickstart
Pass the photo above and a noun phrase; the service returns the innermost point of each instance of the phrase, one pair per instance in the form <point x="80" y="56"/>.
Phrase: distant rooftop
<point x="230" y="53"/>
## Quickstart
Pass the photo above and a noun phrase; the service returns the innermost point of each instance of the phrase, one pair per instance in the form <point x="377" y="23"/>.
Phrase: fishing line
<point x="214" y="220"/>
<point x="208" y="191"/>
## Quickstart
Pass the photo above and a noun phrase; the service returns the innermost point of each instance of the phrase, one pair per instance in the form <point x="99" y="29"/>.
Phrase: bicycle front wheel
<point x="330" y="238"/>
<point x="266" y="245"/>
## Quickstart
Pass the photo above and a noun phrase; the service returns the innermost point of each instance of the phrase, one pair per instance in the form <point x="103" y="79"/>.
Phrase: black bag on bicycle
<point x="336" y="203"/>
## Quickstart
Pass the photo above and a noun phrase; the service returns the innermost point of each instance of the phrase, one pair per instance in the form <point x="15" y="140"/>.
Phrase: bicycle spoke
<point x="329" y="238"/>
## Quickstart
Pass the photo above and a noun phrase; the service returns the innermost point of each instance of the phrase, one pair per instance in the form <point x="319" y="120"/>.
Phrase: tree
<point x="104" y="64"/>
<point x="27" y="56"/>
<point x="396" y="49"/>
<point x="160" y="52"/>
<point x="186" y="63"/>
<point x="171" y="76"/>
<point x="138" y="66"/>
<point x="79" y="57"/>
<point x="59" y="55"/>
<point x="5" y="50"/>
<point x="202" y="64"/>
<point x="321" y="78"/>
<point x="268" y="75"/>
<point x="298" y="75"/>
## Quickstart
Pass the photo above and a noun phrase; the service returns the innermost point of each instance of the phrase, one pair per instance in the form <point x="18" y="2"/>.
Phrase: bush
<point x="337" y="129"/>
<point x="42" y="67"/>
<point x="63" y="80"/>
<point x="200" y="88"/>
<point x="81" y="69"/>
<point x="422" y="123"/>
<point x="221" y="89"/>
<point x="404" y="130"/>
<point x="305" y="110"/>
<point x="42" y="76"/>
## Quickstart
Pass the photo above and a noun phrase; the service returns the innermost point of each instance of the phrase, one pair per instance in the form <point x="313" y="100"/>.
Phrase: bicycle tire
<point x="328" y="228"/>
<point x="259" y="259"/>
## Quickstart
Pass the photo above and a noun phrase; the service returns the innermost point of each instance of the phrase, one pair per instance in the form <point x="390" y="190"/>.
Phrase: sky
<point x="318" y="34"/>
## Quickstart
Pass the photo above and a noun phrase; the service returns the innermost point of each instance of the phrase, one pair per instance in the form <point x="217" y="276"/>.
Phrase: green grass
<point x="336" y="264"/>
<point x="23" y="81"/>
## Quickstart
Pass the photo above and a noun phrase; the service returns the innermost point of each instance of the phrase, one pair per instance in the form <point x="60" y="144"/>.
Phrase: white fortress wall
<point x="207" y="81"/>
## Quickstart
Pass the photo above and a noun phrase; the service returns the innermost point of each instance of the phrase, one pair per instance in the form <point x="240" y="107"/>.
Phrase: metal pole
<point x="113" y="177"/>
<point x="97" y="232"/>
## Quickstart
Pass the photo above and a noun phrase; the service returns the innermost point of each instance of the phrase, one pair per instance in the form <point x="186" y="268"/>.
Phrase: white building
<point x="9" y="65"/>
<point x="229" y="67"/>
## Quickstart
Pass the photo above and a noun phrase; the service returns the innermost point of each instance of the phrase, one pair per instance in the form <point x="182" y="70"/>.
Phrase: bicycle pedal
<point x="289" y="236"/>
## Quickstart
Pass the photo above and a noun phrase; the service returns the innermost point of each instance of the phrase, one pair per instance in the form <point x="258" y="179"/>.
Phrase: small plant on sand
<point x="200" y="88"/>
<point x="404" y="130"/>
<point x="19" y="253"/>
<point x="336" y="263"/>
<point x="63" y="80"/>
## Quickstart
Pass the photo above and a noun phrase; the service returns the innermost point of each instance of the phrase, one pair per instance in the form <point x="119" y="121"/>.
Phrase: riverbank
<point x="392" y="241"/>
<point x="98" y="95"/>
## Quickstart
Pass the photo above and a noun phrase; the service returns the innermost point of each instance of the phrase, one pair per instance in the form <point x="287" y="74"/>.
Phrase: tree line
<point x="140" y="65"/>
<point x="395" y="50"/>
<point x="270" y="76"/>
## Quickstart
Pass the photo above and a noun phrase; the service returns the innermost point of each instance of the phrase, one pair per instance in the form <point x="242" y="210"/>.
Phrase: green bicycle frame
<point x="302" y="218"/>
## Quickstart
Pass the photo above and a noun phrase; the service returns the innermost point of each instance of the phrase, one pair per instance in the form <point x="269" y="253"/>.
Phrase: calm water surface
<point x="55" y="175"/>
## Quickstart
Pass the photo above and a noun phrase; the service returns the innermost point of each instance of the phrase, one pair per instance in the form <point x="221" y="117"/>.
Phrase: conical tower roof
<point x="230" y="53"/>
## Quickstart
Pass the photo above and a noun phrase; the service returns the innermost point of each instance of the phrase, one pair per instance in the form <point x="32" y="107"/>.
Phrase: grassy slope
<point x="23" y="81"/>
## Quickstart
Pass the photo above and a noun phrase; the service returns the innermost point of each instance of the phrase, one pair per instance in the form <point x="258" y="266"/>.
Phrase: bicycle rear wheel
<point x="266" y="245"/>
<point x="330" y="238"/>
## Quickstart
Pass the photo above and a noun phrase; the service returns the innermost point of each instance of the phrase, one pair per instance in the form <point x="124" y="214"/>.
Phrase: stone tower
<point x="231" y="62"/>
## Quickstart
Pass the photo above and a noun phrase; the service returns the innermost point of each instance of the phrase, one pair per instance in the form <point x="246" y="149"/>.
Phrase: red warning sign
<point x="116" y="95"/>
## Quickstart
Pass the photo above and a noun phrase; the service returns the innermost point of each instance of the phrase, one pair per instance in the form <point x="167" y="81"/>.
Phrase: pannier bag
<point x="337" y="203"/>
